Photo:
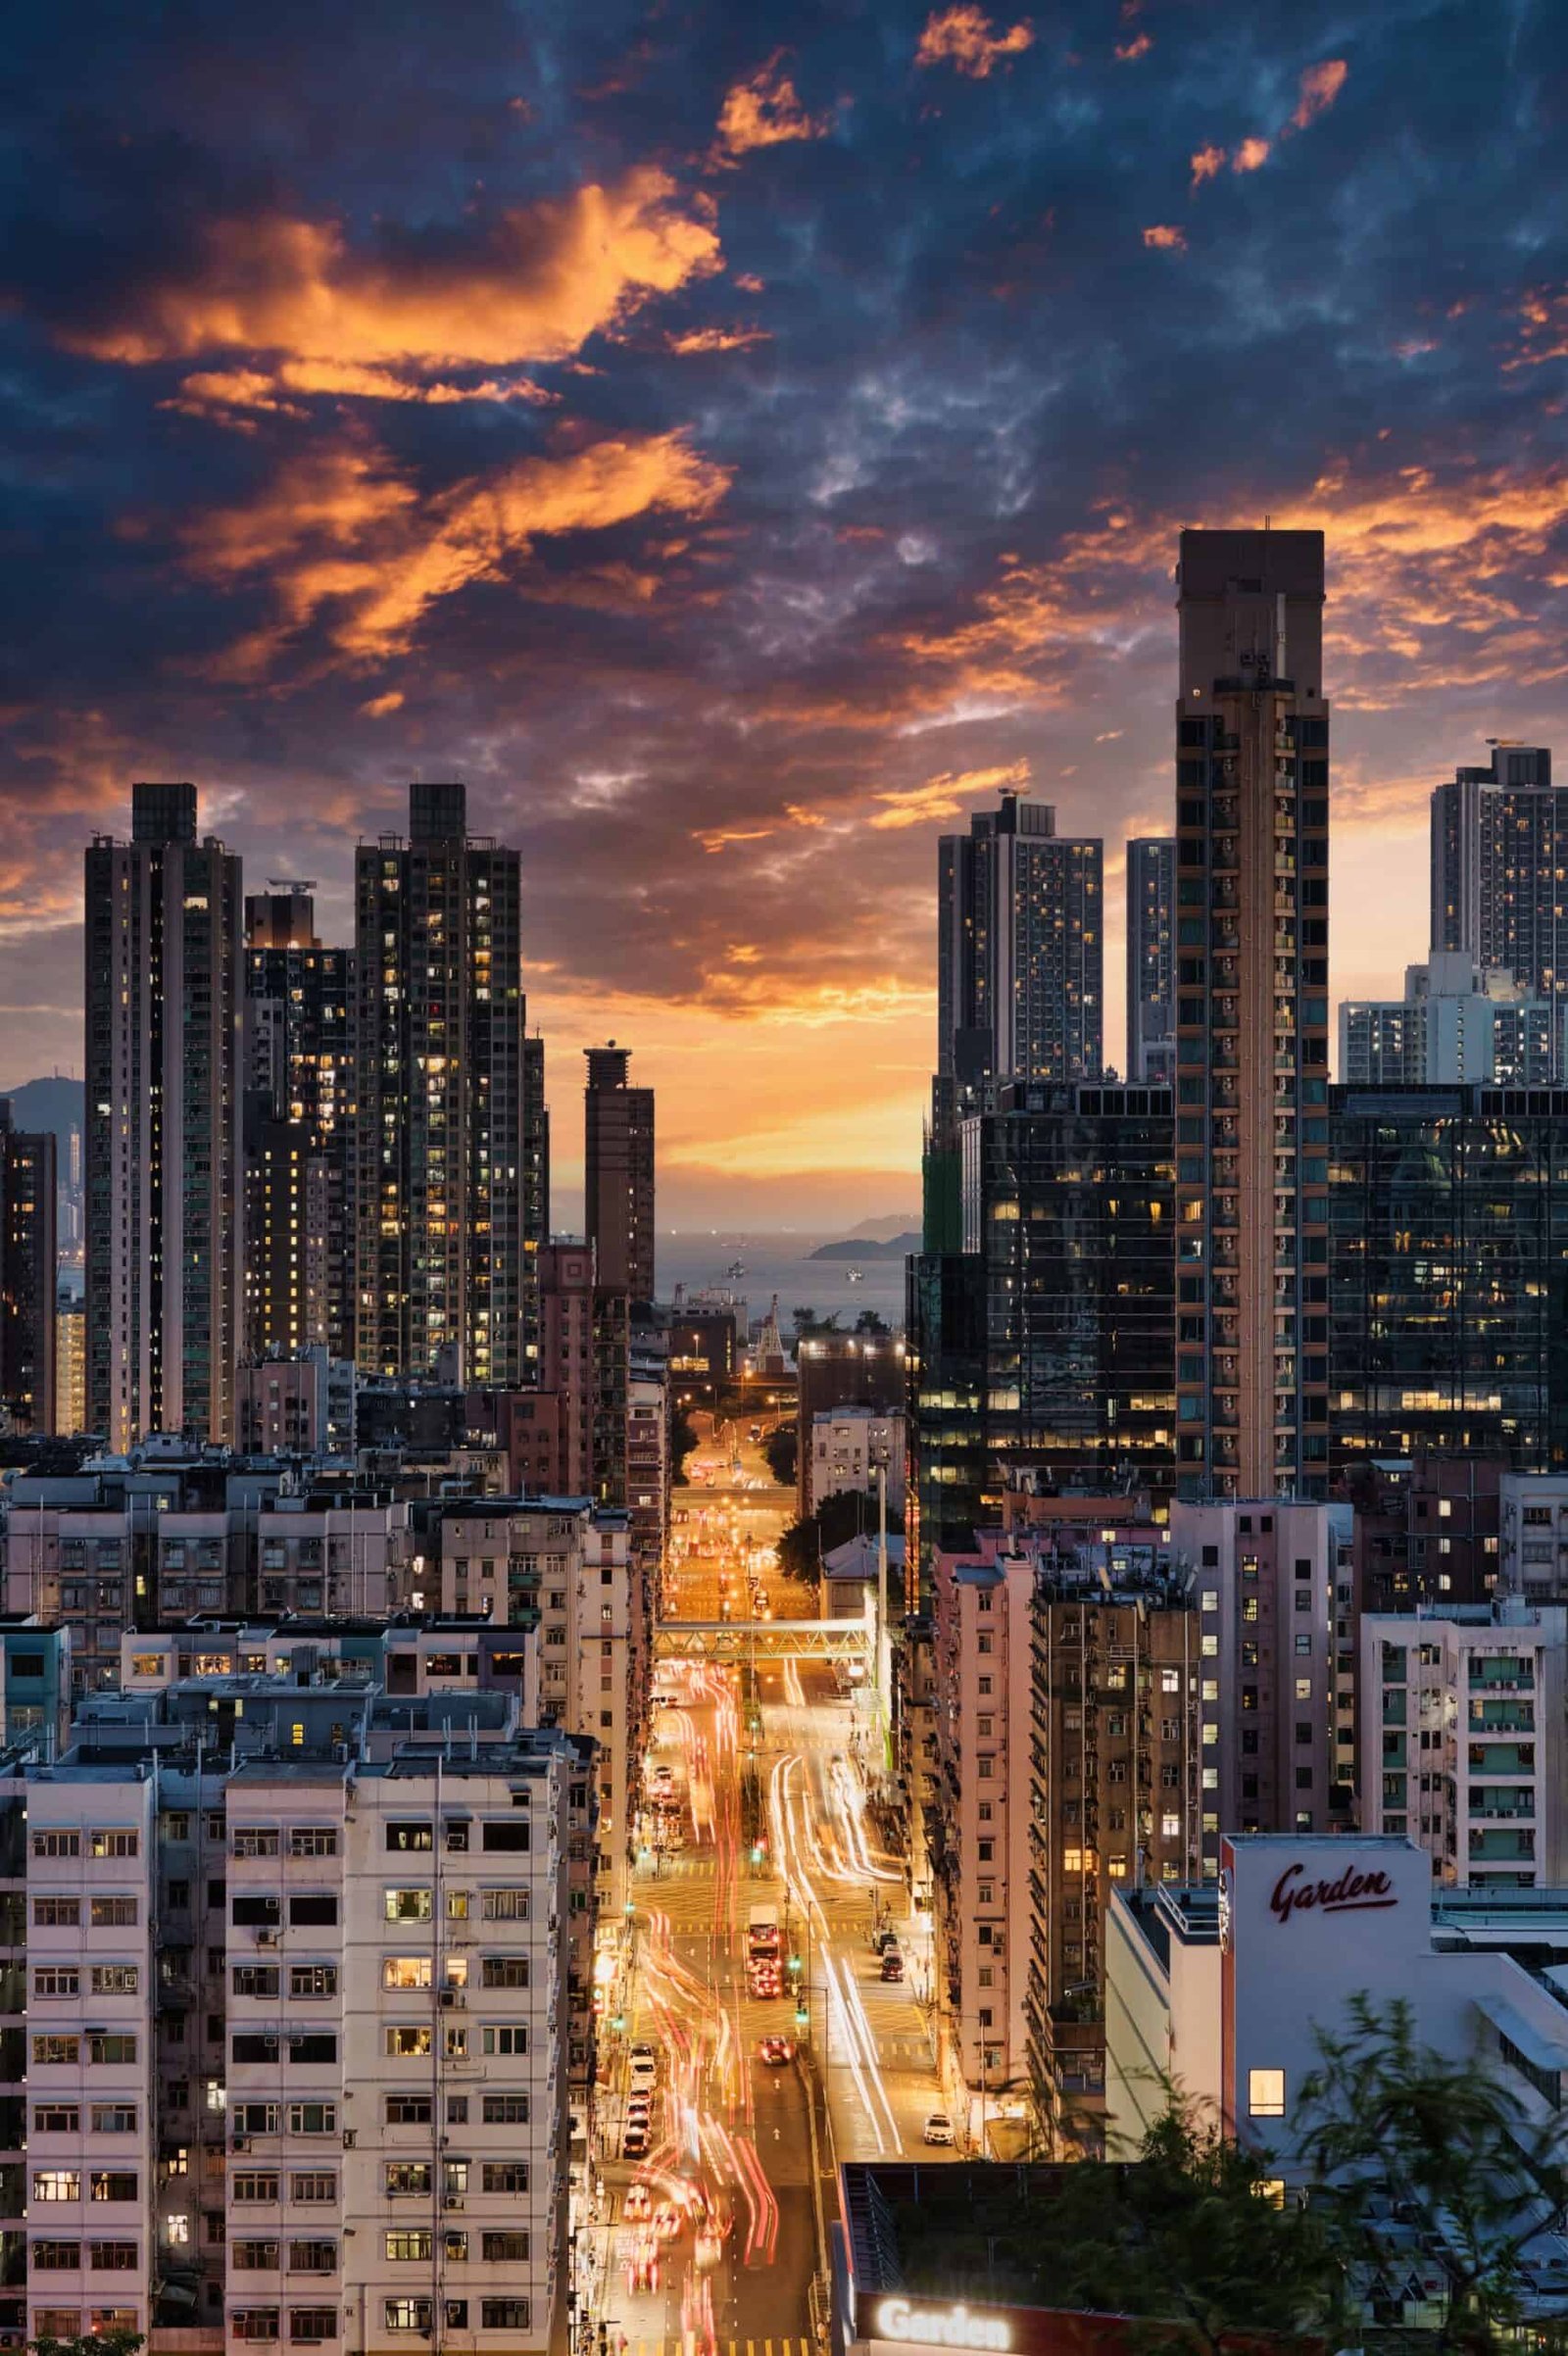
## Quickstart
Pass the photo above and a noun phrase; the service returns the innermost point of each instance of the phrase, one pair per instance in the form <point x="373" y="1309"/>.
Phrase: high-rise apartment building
<point x="1500" y="846"/>
<point x="163" y="1108"/>
<point x="1253" y="1016"/>
<point x="28" y="1275"/>
<point x="1448" y="1275"/>
<point x="618" y="1173"/>
<point x="1266" y="1572"/>
<point x="1461" y="1739"/>
<point x="299" y="1110"/>
<point x="1457" y="1022"/>
<point x="1021" y="950"/>
<point x="1151" y="958"/>
<point x="71" y="1361"/>
<point x="448" y="1211"/>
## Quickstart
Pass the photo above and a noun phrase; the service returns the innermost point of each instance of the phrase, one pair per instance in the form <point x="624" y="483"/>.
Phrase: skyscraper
<point x="618" y="1173"/>
<point x="1019" y="950"/>
<point x="299" y="1103"/>
<point x="163" y="1111"/>
<point x="1499" y="842"/>
<point x="1151" y="958"/>
<point x="1252" y="1017"/>
<point x="447" y="1214"/>
<point x="28" y="1275"/>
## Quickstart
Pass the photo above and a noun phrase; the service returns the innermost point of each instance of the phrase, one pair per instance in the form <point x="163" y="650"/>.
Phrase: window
<point x="255" y="1980"/>
<point x="405" y="1972"/>
<point x="314" y="2185"/>
<point x="112" y="2183"/>
<point x="50" y="2051"/>
<point x="508" y="2038"/>
<point x="409" y="2110"/>
<point x="405" y="2044"/>
<point x="509" y="1832"/>
<point x="56" y="1981"/>
<point x="115" y="1978"/>
<point x="503" y="1971"/>
<point x="312" y="1840"/>
<point x="115" y="1843"/>
<point x="255" y="2048"/>
<point x="252" y="2185"/>
<point x="456" y="2110"/>
<point x="256" y="1841"/>
<point x="504" y="2315"/>
<point x="313" y="1980"/>
<point x="255" y="2323"/>
<point x="1303" y="1648"/>
<point x="56" y="1914"/>
<point x="505" y="2110"/>
<point x="312" y="2323"/>
<point x="319" y="2047"/>
<point x="504" y="2248"/>
<point x="256" y="2118"/>
<point x="57" y="2184"/>
<point x="253" y="2257"/>
<point x="408" y="2180"/>
<point x="57" y="1842"/>
<point x="506" y="2176"/>
<point x="258" y="1913"/>
<point x="408" y="1905"/>
<point x="56" y="2257"/>
<point x="113" y="2257"/>
<point x="409" y="2245"/>
<point x="120" y="1914"/>
<point x="315" y="1907"/>
<point x="312" y="2257"/>
<point x="409" y="1835"/>
<point x="1266" y="2093"/>
<point x="56" y="2119"/>
<point x="313" y="2117"/>
<point x="407" y="2315"/>
<point x="504" y="1905"/>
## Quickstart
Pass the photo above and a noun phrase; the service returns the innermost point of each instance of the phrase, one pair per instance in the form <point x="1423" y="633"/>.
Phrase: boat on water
<point x="855" y="1276"/>
<point x="735" y="1271"/>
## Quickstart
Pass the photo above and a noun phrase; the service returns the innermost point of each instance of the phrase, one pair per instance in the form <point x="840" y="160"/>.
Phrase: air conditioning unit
<point x="455" y="1996"/>
<point x="267" y="1939"/>
<point x="453" y="2200"/>
<point x="240" y="2143"/>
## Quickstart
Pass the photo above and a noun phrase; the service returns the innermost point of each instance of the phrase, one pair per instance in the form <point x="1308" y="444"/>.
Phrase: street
<point x="708" y="2241"/>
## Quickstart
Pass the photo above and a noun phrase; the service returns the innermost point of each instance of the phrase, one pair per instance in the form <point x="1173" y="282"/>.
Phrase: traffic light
<point x="618" y="2022"/>
<point x="802" y="2019"/>
<point x="758" y="1852"/>
<point x="795" y="1963"/>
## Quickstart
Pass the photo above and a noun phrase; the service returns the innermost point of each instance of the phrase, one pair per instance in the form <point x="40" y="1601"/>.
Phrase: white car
<point x="938" y="2128"/>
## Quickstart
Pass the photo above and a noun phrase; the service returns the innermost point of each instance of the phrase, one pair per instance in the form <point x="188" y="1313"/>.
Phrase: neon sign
<point x="943" y="2327"/>
<point x="1349" y="1893"/>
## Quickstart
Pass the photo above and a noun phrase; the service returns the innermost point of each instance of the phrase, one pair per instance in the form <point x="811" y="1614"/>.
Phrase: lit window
<point x="1266" y="2093"/>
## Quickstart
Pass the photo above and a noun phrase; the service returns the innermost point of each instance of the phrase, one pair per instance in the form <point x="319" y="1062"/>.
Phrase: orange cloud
<point x="1319" y="87"/>
<point x="717" y="339"/>
<point x="1544" y="334"/>
<point x="720" y="838"/>
<point x="221" y="395"/>
<point x="1166" y="237"/>
<point x="945" y="797"/>
<point x="1206" y="163"/>
<point x="764" y="111"/>
<point x="1128" y="51"/>
<point x="345" y="538"/>
<point x="1250" y="154"/>
<point x="534" y="287"/>
<point x="964" y="38"/>
<point x="380" y="708"/>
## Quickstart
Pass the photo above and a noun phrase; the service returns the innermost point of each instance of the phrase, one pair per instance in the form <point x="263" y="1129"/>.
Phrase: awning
<point x="1542" y="2051"/>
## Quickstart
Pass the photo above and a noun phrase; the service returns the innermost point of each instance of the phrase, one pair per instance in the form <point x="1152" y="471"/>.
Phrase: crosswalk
<point x="686" y="2344"/>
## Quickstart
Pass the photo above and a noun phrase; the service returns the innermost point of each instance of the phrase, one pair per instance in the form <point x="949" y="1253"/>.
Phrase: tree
<point x="868" y="1322"/>
<point x="805" y="1322"/>
<point x="844" y="1515"/>
<point x="682" y="1441"/>
<point x="782" y="1452"/>
<point x="118" y="2342"/>
<point x="1406" y="2149"/>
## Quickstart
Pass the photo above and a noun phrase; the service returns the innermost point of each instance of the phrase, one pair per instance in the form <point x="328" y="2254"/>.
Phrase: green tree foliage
<point x="781" y="1449"/>
<point x="868" y="1322"/>
<point x="806" y="1321"/>
<point x="840" y="1517"/>
<point x="1411" y="2153"/>
<point x="90" y="2344"/>
<point x="682" y="1441"/>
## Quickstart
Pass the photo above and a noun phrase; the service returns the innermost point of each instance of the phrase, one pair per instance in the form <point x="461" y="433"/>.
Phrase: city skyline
<point x="743" y="449"/>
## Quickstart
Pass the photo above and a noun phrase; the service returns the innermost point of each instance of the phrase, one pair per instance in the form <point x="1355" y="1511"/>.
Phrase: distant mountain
<point x="889" y="1229"/>
<point x="892" y="1246"/>
<point x="56" y="1104"/>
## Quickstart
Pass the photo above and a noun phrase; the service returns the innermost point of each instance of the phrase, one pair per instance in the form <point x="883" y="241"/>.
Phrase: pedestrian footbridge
<point x="763" y="1640"/>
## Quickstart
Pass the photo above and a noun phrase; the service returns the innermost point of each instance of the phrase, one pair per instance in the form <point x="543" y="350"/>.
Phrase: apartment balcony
<point x="1502" y="1847"/>
<point x="1489" y="1719"/>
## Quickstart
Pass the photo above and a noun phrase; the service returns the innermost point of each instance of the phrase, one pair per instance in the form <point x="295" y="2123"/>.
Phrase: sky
<point x="737" y="440"/>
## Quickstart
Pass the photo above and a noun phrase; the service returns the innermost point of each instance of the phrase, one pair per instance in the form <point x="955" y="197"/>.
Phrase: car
<point x="668" y="2222"/>
<point x="640" y="2110"/>
<point x="634" y="2142"/>
<point x="938" y="2128"/>
<point x="881" y="1936"/>
<point x="641" y="2267"/>
<point x="638" y="2204"/>
<point x="644" y="2061"/>
<point x="892" y="1964"/>
<point x="775" y="2051"/>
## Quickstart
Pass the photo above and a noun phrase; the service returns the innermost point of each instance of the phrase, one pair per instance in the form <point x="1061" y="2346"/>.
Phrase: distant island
<point x="896" y="1246"/>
